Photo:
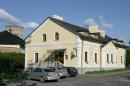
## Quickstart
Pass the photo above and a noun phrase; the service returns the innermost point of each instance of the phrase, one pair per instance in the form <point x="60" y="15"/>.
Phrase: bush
<point x="10" y="62"/>
<point x="127" y="57"/>
<point x="129" y="77"/>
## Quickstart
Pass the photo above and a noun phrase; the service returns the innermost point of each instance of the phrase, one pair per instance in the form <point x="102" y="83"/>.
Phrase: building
<point x="57" y="42"/>
<point x="15" y="30"/>
<point x="11" y="40"/>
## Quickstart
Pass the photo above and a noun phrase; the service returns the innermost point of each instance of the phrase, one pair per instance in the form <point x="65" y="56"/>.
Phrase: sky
<point x="113" y="16"/>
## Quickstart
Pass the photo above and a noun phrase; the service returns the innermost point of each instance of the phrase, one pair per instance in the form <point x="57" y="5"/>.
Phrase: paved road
<point x="119" y="79"/>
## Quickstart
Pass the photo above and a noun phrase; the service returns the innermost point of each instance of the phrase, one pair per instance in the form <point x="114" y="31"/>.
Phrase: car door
<point x="39" y="74"/>
<point x="33" y="74"/>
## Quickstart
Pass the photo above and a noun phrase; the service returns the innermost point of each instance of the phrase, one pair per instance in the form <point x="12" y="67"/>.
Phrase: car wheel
<point x="42" y="79"/>
<point x="57" y="80"/>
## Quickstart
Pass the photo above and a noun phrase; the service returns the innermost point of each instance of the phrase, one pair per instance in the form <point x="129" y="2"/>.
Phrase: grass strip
<point x="102" y="72"/>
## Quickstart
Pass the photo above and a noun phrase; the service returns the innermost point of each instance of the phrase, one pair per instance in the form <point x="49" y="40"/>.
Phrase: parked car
<point x="28" y="70"/>
<point x="43" y="74"/>
<point x="61" y="71"/>
<point x="72" y="71"/>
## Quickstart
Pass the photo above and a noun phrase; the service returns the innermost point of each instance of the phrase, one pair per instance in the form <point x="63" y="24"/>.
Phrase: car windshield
<point x="49" y="70"/>
<point x="53" y="68"/>
<point x="61" y="68"/>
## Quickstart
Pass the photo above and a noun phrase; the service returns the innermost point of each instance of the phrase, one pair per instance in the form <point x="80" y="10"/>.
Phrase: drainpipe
<point x="100" y="58"/>
<point x="82" y="57"/>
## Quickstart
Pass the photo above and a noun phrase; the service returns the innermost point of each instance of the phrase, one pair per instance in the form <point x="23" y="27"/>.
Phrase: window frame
<point x="86" y="56"/>
<point x="112" y="59"/>
<point x="44" y="37"/>
<point x="108" y="59"/>
<point x="96" y="57"/>
<point x="122" y="59"/>
<point x="36" y="57"/>
<point x="57" y="36"/>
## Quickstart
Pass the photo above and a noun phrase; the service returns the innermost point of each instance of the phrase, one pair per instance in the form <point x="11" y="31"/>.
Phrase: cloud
<point x="10" y="19"/>
<point x="7" y="18"/>
<point x="90" y="22"/>
<point x="104" y="24"/>
<point x="31" y="25"/>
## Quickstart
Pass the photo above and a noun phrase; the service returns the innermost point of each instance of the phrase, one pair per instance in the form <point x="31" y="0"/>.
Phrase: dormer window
<point x="44" y="37"/>
<point x="56" y="36"/>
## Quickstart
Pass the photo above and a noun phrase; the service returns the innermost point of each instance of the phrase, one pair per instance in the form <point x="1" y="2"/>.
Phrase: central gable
<point x="50" y="28"/>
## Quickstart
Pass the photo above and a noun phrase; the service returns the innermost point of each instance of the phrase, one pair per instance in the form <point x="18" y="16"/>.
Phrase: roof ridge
<point x="68" y="23"/>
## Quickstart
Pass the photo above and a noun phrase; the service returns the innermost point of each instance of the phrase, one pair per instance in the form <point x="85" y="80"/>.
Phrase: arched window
<point x="44" y="37"/>
<point x="56" y="36"/>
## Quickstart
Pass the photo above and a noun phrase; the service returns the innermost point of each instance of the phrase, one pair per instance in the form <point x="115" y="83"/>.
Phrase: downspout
<point x="82" y="58"/>
<point x="100" y="58"/>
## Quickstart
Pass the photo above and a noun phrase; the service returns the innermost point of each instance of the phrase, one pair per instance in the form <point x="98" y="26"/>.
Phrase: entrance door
<point x="59" y="57"/>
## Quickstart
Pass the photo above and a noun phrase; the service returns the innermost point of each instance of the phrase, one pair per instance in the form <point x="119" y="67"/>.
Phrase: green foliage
<point x="9" y="62"/>
<point x="128" y="56"/>
<point x="5" y="76"/>
<point x="129" y="77"/>
<point x="107" y="71"/>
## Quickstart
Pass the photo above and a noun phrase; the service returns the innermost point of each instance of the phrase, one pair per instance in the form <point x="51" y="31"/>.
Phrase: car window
<point x="52" y="68"/>
<point x="60" y="68"/>
<point x="49" y="70"/>
<point x="37" y="70"/>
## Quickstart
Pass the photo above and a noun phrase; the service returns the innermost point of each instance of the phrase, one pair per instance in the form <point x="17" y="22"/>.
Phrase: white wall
<point x="117" y="53"/>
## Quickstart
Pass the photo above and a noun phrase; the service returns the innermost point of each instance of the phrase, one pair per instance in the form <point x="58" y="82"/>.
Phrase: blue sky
<point x="115" y="13"/>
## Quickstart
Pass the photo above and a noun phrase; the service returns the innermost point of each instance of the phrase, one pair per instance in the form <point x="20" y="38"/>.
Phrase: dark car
<point x="72" y="71"/>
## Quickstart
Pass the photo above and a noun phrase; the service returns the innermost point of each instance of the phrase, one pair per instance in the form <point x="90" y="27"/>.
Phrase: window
<point x="86" y="57"/>
<point x="121" y="59"/>
<point x="112" y="59"/>
<point x="36" y="57"/>
<point x="96" y="58"/>
<point x="44" y="37"/>
<point x="56" y="36"/>
<point x="37" y="70"/>
<point x="108" y="58"/>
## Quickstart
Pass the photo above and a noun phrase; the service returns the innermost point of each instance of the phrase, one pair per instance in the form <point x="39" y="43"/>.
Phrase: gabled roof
<point x="117" y="45"/>
<point x="8" y="38"/>
<point x="68" y="25"/>
<point x="77" y="29"/>
<point x="120" y="45"/>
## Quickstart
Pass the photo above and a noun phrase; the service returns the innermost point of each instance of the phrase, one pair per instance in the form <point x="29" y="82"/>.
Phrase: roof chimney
<point x="94" y="29"/>
<point x="58" y="17"/>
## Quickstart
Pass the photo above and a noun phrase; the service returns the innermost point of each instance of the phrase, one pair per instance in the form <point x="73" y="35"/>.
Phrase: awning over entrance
<point x="56" y="56"/>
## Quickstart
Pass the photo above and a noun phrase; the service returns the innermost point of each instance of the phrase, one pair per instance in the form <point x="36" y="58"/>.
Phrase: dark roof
<point x="8" y="38"/>
<point x="68" y="25"/>
<point x="120" y="45"/>
<point x="76" y="29"/>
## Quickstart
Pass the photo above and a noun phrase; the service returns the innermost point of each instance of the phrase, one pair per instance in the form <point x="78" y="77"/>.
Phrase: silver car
<point x="61" y="71"/>
<point x="43" y="74"/>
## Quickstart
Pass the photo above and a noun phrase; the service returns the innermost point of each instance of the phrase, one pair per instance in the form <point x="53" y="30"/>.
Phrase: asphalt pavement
<point x="117" y="79"/>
